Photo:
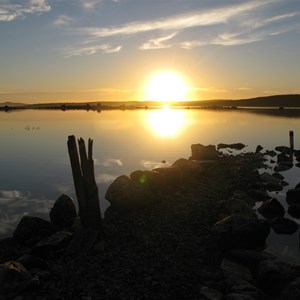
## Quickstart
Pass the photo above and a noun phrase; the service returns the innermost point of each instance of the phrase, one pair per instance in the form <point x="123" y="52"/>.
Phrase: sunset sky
<point x="97" y="50"/>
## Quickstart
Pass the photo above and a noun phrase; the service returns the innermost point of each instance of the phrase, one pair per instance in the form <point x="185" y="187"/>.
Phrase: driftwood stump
<point x="86" y="192"/>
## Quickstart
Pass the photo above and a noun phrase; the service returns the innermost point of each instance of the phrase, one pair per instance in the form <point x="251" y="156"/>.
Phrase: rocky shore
<point x="188" y="231"/>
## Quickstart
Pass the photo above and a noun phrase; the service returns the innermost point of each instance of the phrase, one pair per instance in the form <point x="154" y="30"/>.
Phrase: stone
<point x="284" y="149"/>
<point x="236" y="206"/>
<point x="210" y="294"/>
<point x="13" y="278"/>
<point x="292" y="290"/>
<point x="294" y="211"/>
<point x="234" y="272"/>
<point x="63" y="213"/>
<point x="237" y="296"/>
<point x="273" y="275"/>
<point x="271" y="153"/>
<point x="201" y="152"/>
<point x="271" y="182"/>
<point x="271" y="208"/>
<point x="282" y="157"/>
<point x="283" y="166"/>
<point x="58" y="240"/>
<point x="284" y="226"/>
<point x="32" y="262"/>
<point x="240" y="232"/>
<point x="126" y="194"/>
<point x="258" y="149"/>
<point x="293" y="196"/>
<point x="172" y="176"/>
<point x="235" y="146"/>
<point x="278" y="175"/>
<point x="152" y="179"/>
<point x="247" y="289"/>
<point x="31" y="230"/>
<point x="11" y="249"/>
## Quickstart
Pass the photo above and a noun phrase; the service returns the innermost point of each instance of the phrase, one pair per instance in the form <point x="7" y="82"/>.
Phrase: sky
<point x="97" y="50"/>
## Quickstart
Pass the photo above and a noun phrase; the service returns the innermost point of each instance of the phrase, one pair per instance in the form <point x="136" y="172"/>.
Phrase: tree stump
<point x="85" y="187"/>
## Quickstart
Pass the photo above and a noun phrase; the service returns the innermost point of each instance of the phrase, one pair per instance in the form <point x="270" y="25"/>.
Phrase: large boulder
<point x="240" y="232"/>
<point x="294" y="211"/>
<point x="126" y="194"/>
<point x="235" y="146"/>
<point x="201" y="152"/>
<point x="271" y="209"/>
<point x="273" y="275"/>
<point x="293" y="196"/>
<point x="284" y="226"/>
<point x="292" y="290"/>
<point x="152" y="179"/>
<point x="13" y="279"/>
<point x="271" y="183"/>
<point x="63" y="213"/>
<point x="31" y="230"/>
<point x="10" y="249"/>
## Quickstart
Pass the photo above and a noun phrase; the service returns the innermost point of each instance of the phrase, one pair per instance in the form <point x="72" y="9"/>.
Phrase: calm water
<point x="34" y="162"/>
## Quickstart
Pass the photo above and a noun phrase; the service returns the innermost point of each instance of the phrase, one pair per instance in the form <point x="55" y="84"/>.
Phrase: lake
<point x="35" y="168"/>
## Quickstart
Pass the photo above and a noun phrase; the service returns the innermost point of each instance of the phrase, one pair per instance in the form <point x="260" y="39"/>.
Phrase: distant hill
<point x="268" y="101"/>
<point x="12" y="104"/>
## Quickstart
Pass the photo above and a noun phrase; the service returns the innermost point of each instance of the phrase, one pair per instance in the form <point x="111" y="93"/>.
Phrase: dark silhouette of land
<point x="276" y="101"/>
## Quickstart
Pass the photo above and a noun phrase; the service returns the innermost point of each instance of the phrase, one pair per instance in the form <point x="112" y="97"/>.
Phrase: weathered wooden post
<point x="86" y="192"/>
<point x="292" y="140"/>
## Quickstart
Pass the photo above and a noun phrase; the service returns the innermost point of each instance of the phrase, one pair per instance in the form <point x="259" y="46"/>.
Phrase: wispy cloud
<point x="90" y="50"/>
<point x="10" y="11"/>
<point x="158" y="43"/>
<point x="62" y="21"/>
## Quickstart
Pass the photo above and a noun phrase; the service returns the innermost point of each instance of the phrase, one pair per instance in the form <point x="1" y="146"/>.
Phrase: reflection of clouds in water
<point x="109" y="162"/>
<point x="15" y="204"/>
<point x="150" y="164"/>
<point x="105" y="178"/>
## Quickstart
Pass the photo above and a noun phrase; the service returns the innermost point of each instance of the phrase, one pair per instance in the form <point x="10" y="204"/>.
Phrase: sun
<point x="166" y="86"/>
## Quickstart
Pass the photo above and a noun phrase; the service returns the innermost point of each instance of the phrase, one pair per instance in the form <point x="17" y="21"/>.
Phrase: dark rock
<point x="297" y="165"/>
<point x="294" y="211"/>
<point x="172" y="176"/>
<point x="10" y="249"/>
<point x="258" y="148"/>
<point x="271" y="182"/>
<point x="31" y="230"/>
<point x="60" y="239"/>
<point x="124" y="194"/>
<point x="210" y="293"/>
<point x="63" y="212"/>
<point x="235" y="146"/>
<point x="152" y="179"/>
<point x="259" y="195"/>
<point x="282" y="157"/>
<point x="32" y="262"/>
<point x="240" y="232"/>
<point x="271" y="153"/>
<point x="13" y="278"/>
<point x="293" y="196"/>
<point x="292" y="290"/>
<point x="237" y="296"/>
<point x="271" y="208"/>
<point x="278" y="175"/>
<point x="245" y="288"/>
<point x="273" y="275"/>
<point x="283" y="149"/>
<point x="201" y="152"/>
<point x="284" y="226"/>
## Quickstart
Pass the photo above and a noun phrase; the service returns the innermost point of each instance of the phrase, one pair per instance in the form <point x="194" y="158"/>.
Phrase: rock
<point x="282" y="157"/>
<point x="283" y="166"/>
<point x="271" y="182"/>
<point x="234" y="272"/>
<point x="283" y="149"/>
<point x="236" y="296"/>
<point x="258" y="148"/>
<point x="10" y="249"/>
<point x="271" y="153"/>
<point x="235" y="146"/>
<point x="293" y="196"/>
<point x="201" y="152"/>
<point x="152" y="179"/>
<point x="273" y="275"/>
<point x="13" y="278"/>
<point x="245" y="288"/>
<point x="192" y="169"/>
<point x="210" y="294"/>
<point x="32" y="262"/>
<point x="259" y="195"/>
<point x="126" y="194"/>
<point x="172" y="176"/>
<point x="236" y="206"/>
<point x="297" y="165"/>
<point x="278" y="175"/>
<point x="63" y="213"/>
<point x="60" y="239"/>
<point x="292" y="290"/>
<point x="294" y="211"/>
<point x="271" y="208"/>
<point x="240" y="232"/>
<point x="284" y="226"/>
<point x="31" y="230"/>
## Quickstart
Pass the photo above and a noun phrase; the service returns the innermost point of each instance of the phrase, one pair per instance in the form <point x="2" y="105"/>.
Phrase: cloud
<point x="10" y="11"/>
<point x="158" y="43"/>
<point x="62" y="21"/>
<point x="111" y="162"/>
<point x="90" y="50"/>
<point x="178" y="22"/>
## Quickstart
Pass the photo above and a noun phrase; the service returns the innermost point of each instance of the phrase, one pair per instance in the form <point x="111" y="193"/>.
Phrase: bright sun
<point x="166" y="86"/>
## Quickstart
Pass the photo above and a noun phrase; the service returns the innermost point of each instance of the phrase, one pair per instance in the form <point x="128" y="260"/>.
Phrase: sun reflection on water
<point x="167" y="122"/>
